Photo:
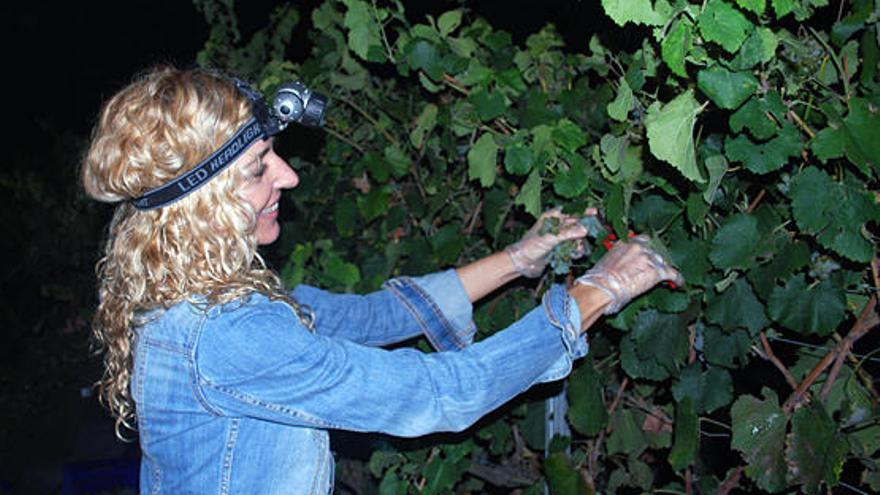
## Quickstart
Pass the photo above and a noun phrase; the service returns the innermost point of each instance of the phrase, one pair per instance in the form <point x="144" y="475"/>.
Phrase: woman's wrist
<point x="591" y="303"/>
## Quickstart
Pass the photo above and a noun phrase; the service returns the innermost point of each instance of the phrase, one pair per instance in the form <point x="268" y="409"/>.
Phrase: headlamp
<point x="293" y="102"/>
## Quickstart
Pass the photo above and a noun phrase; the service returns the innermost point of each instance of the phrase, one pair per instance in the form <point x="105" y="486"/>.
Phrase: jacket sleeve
<point x="434" y="305"/>
<point x="259" y="362"/>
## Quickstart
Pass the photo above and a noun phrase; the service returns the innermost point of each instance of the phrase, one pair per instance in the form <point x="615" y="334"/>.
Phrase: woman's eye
<point x="261" y="170"/>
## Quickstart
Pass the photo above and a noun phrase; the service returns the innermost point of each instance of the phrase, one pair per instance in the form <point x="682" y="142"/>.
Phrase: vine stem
<point x="372" y="120"/>
<point x="594" y="455"/>
<point x="730" y="483"/>
<point x="756" y="201"/>
<point x="770" y="356"/>
<point x="800" y="122"/>
<point x="866" y="321"/>
<point x="338" y="135"/>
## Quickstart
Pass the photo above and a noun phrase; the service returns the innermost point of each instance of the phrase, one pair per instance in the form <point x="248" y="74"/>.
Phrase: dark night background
<point x="61" y="61"/>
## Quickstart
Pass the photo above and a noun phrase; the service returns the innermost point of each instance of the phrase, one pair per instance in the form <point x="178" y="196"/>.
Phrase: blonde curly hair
<point x="157" y="128"/>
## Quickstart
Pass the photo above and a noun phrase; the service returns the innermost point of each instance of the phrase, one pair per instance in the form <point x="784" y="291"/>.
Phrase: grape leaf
<point x="692" y="258"/>
<point x="363" y="34"/>
<point x="722" y="23"/>
<point x="782" y="7"/>
<point x="818" y="309"/>
<point x="449" y="22"/>
<point x="737" y="307"/>
<point x="562" y="478"/>
<point x="833" y="212"/>
<point x="568" y="135"/>
<point x="759" y="433"/>
<point x="586" y="411"/>
<point x="687" y="435"/>
<point x="708" y="390"/>
<point x="660" y="338"/>
<point x="766" y="157"/>
<point x="759" y="116"/>
<point x="424" y="125"/>
<point x="857" y="136"/>
<point x="676" y="45"/>
<point x="635" y="11"/>
<point x="626" y="435"/>
<point x="530" y="194"/>
<point x="574" y="181"/>
<point x="623" y="102"/>
<point x="481" y="160"/>
<point x="791" y="257"/>
<point x="652" y="213"/>
<point x="726" y="349"/>
<point x="489" y="104"/>
<point x="727" y="89"/>
<point x="670" y="131"/>
<point x="717" y="166"/>
<point x="735" y="243"/>
<point x="816" y="450"/>
<point x="518" y="158"/>
<point x="756" y="6"/>
<point x="758" y="48"/>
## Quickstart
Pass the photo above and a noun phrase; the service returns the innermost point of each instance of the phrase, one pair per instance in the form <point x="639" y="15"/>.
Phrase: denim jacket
<point x="239" y="398"/>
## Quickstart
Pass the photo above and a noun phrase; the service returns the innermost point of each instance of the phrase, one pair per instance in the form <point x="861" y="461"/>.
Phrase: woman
<point x="232" y="381"/>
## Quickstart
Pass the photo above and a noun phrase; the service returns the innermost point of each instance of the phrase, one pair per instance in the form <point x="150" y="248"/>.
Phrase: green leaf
<point x="737" y="307"/>
<point x="568" y="135"/>
<point x="482" y="158"/>
<point x="782" y="7"/>
<point x="767" y="157"/>
<point x="398" y="160"/>
<point x="635" y="11"/>
<point x="562" y="479"/>
<point x="424" y="125"/>
<point x="734" y="244"/>
<point x="574" y="181"/>
<point x="722" y="23"/>
<point x="423" y="56"/>
<point x="791" y="257"/>
<point x="660" y="338"/>
<point x="530" y="194"/>
<point x="708" y="390"/>
<point x="447" y="243"/>
<point x="857" y="137"/>
<point x="759" y="433"/>
<point x="717" y="167"/>
<point x="726" y="349"/>
<point x="345" y="213"/>
<point x="373" y="204"/>
<point x="816" y="450"/>
<point x="449" y="22"/>
<point x="363" y="34"/>
<point x="619" y="108"/>
<point x="392" y="485"/>
<point x="586" y="411"/>
<point x="807" y="310"/>
<point x="670" y="131"/>
<point x="760" y="47"/>
<point x="626" y="436"/>
<point x="339" y="271"/>
<point x="692" y="258"/>
<point x="652" y="213"/>
<point x="727" y="89"/>
<point x="489" y="104"/>
<point x="687" y="435"/>
<point x="518" y="158"/>
<point x="759" y="116"/>
<point x="756" y="6"/>
<point x="834" y="212"/>
<point x="676" y="45"/>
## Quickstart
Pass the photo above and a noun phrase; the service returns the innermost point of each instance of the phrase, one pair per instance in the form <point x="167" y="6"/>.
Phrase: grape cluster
<point x="562" y="256"/>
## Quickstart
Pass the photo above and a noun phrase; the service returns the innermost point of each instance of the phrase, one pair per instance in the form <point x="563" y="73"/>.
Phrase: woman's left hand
<point x="530" y="254"/>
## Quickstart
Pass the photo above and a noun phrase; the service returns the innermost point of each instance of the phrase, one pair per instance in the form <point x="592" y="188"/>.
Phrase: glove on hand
<point x="628" y="270"/>
<point x="529" y="255"/>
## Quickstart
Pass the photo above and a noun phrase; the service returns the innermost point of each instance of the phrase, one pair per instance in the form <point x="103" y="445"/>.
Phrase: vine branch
<point x="770" y="356"/>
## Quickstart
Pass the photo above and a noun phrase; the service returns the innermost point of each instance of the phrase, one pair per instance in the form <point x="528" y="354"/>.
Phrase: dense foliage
<point x="743" y="135"/>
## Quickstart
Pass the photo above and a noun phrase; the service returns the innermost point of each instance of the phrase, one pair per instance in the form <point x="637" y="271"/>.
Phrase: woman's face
<point x="267" y="174"/>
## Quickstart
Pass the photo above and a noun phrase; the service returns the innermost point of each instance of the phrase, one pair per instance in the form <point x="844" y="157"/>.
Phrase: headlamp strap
<point x="181" y="186"/>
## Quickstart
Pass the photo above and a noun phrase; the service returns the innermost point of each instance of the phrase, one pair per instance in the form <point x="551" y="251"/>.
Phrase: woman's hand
<point x="529" y="255"/>
<point x="628" y="270"/>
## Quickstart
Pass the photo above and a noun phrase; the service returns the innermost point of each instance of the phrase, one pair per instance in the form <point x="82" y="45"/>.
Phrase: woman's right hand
<point x="628" y="270"/>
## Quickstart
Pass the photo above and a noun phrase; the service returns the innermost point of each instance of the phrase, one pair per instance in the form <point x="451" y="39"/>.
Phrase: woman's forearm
<point x="487" y="274"/>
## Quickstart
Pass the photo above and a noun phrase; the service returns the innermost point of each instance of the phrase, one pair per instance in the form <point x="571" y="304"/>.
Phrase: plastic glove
<point x="628" y="270"/>
<point x="529" y="255"/>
